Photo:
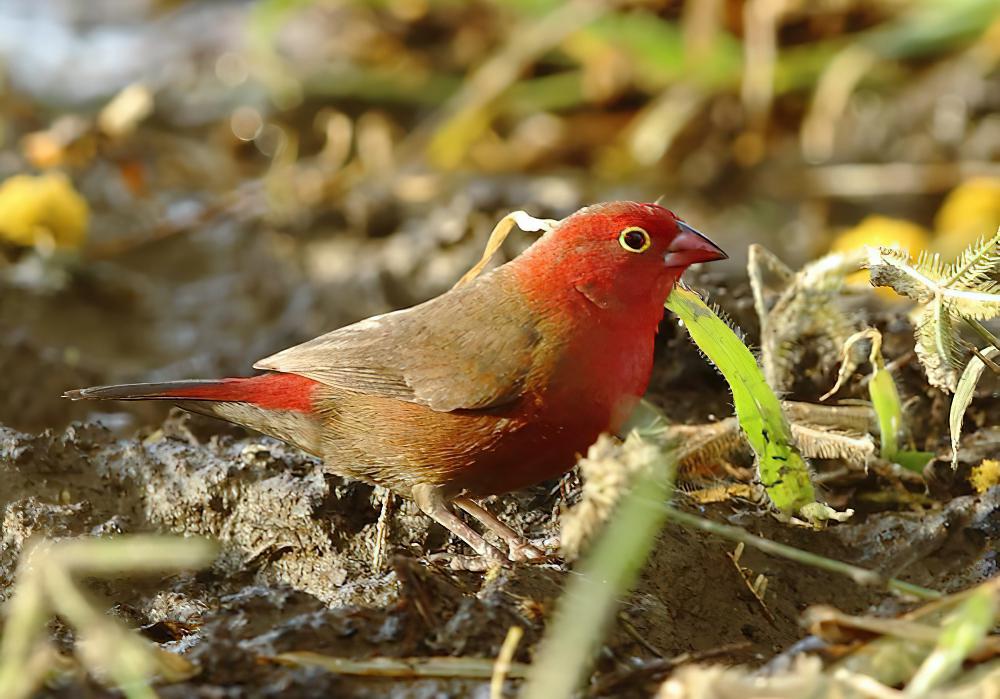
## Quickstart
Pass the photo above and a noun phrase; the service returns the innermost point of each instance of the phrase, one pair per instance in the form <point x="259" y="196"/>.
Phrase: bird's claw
<point x="475" y="563"/>
<point x="492" y="558"/>
<point x="524" y="551"/>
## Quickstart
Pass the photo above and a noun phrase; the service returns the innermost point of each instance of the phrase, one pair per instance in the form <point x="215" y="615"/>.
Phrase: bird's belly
<point x="483" y="452"/>
<point x="536" y="451"/>
<point x="590" y="393"/>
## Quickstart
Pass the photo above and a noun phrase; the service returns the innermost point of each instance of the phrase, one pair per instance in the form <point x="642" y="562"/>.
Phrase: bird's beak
<point x="690" y="246"/>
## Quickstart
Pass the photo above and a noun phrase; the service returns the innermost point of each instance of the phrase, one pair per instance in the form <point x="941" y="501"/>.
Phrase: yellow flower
<point x="985" y="475"/>
<point x="881" y="231"/>
<point x="971" y="211"/>
<point x="43" y="209"/>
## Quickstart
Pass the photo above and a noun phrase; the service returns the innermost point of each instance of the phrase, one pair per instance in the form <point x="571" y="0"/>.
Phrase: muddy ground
<point x="296" y="569"/>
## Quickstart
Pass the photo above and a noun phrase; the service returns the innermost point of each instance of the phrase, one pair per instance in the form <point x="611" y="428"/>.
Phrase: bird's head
<point x="624" y="256"/>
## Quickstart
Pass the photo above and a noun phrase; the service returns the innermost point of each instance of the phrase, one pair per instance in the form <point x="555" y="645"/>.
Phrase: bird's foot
<point x="519" y="549"/>
<point x="430" y="500"/>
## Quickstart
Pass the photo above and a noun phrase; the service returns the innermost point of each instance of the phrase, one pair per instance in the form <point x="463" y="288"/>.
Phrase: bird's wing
<point x="470" y="348"/>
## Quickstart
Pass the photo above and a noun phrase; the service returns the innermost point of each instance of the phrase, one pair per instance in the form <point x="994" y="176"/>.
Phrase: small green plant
<point x="964" y="292"/>
<point x="962" y="633"/>
<point x="885" y="399"/>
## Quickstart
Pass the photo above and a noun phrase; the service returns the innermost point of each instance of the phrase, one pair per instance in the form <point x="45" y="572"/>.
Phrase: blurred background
<point x="188" y="186"/>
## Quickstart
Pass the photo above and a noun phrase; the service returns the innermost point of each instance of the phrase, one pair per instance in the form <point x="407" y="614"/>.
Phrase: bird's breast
<point x="588" y="384"/>
<point x="601" y="373"/>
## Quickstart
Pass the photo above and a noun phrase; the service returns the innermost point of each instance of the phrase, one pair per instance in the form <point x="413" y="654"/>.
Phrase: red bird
<point x="492" y="386"/>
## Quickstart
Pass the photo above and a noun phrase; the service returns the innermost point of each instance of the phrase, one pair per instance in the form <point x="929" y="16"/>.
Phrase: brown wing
<point x="469" y="348"/>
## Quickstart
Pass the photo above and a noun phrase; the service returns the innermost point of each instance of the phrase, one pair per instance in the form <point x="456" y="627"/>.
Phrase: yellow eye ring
<point x="634" y="239"/>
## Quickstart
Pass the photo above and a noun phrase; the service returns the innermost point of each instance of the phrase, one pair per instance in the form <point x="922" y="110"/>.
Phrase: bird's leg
<point x="430" y="501"/>
<point x="520" y="550"/>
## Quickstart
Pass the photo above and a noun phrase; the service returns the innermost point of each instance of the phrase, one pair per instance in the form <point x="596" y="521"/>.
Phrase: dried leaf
<point x="823" y="443"/>
<point x="522" y="220"/>
<point x="881" y="389"/>
<point x="123" y="113"/>
<point x="963" y="398"/>
<point x="807" y="308"/>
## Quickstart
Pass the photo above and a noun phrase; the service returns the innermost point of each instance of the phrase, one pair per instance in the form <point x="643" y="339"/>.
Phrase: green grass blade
<point x="608" y="571"/>
<point x="885" y="400"/>
<point x="961" y="635"/>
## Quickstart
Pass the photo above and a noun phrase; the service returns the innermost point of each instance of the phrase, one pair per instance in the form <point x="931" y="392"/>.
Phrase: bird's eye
<point x="634" y="239"/>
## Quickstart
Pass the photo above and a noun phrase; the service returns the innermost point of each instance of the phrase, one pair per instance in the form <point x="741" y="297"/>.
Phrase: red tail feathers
<point x="273" y="391"/>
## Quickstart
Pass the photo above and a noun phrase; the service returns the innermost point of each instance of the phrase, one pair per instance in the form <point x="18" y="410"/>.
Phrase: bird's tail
<point x="279" y="405"/>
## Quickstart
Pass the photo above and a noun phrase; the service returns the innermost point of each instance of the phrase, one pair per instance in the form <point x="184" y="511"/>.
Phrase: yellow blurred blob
<point x="881" y="231"/>
<point x="42" y="210"/>
<point x="985" y="475"/>
<point x="971" y="211"/>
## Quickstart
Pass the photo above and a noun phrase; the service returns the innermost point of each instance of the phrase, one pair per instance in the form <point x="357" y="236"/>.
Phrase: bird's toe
<point x="490" y="558"/>
<point x="525" y="551"/>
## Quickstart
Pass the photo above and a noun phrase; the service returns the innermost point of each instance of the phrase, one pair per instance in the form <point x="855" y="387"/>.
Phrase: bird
<point x="492" y="386"/>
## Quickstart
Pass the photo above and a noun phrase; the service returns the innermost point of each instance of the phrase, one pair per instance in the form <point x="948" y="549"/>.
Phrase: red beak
<point x="689" y="246"/>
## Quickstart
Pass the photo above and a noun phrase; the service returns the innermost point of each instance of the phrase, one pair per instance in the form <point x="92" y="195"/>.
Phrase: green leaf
<point x="914" y="461"/>
<point x="885" y="400"/>
<point x="781" y="468"/>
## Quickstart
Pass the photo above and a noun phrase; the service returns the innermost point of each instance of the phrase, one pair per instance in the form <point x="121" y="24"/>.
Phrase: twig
<point x="503" y="662"/>
<point x="868" y="687"/>
<point x="636" y="636"/>
<point x="656" y="669"/>
<point x="46" y="586"/>
<point x="822" y="620"/>
<point x="831" y="98"/>
<point x="993" y="366"/>
<point x="413" y="590"/>
<point x="701" y="23"/>
<point x="246" y="201"/>
<point x="760" y="19"/>
<point x="982" y="331"/>
<point x="446" y="666"/>
<point x="855" y="418"/>
<point x="382" y="530"/>
<point x="753" y="586"/>
<point x="861" y="576"/>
